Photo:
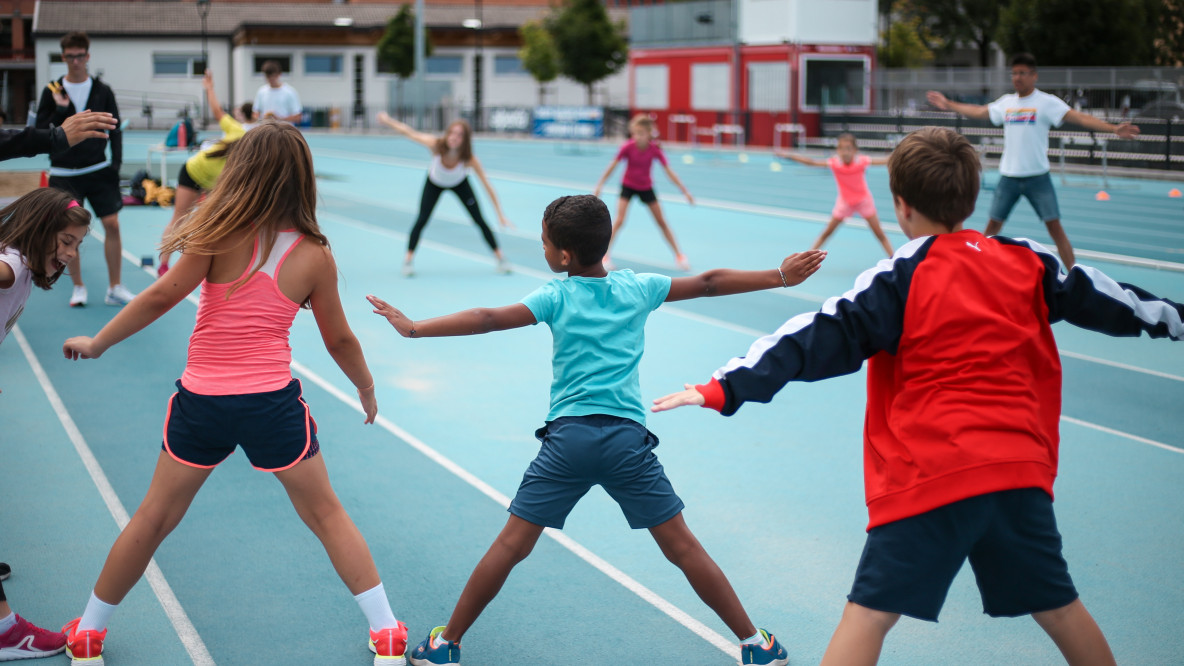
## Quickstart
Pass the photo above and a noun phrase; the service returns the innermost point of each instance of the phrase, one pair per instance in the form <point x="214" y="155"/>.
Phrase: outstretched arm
<point x="465" y="322"/>
<point x="207" y="82"/>
<point x="674" y="179"/>
<point x="877" y="161"/>
<point x="802" y="159"/>
<point x="426" y="140"/>
<point x="794" y="270"/>
<point x="607" y="172"/>
<point x="1124" y="130"/>
<point x="477" y="168"/>
<point x="145" y="308"/>
<point x="975" y="111"/>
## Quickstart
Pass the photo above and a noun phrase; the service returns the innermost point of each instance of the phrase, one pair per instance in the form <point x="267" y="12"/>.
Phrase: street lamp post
<point x="203" y="10"/>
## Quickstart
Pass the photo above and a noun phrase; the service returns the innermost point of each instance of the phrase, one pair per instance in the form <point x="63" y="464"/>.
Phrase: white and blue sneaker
<point x="768" y="653"/>
<point x="435" y="651"/>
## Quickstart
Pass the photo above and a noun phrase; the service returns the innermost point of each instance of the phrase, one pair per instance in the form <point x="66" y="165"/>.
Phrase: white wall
<point x="808" y="21"/>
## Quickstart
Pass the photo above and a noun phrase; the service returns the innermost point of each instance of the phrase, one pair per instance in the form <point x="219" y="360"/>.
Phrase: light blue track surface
<point x="774" y="493"/>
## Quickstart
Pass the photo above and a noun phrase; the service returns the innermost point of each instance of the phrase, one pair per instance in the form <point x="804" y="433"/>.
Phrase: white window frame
<point x="316" y="54"/>
<point x="803" y="63"/>
<point x="651" y="86"/>
<point x="709" y="97"/>
<point x="191" y="60"/>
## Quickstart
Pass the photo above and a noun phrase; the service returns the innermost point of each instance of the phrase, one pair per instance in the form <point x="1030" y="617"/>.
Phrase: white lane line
<point x="1119" y="433"/>
<point x="1122" y="366"/>
<point x="160" y="587"/>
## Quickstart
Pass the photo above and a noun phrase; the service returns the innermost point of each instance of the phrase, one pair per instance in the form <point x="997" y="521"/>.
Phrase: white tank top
<point x="442" y="176"/>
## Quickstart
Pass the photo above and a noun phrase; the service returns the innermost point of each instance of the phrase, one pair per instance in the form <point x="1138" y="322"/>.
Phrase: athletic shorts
<point x="1010" y="538"/>
<point x="647" y="196"/>
<point x="183" y="178"/>
<point x="843" y="210"/>
<point x="579" y="452"/>
<point x="100" y="188"/>
<point x="1037" y="189"/>
<point x="274" y="428"/>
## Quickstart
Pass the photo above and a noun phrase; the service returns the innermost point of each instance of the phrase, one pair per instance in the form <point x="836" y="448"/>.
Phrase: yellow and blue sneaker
<point x="435" y="651"/>
<point x="768" y="653"/>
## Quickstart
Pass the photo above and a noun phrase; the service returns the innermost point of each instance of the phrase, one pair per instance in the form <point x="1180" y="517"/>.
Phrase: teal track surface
<point x="774" y="493"/>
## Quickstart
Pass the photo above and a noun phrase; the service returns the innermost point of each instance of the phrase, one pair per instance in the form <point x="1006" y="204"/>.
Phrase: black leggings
<point x="427" y="202"/>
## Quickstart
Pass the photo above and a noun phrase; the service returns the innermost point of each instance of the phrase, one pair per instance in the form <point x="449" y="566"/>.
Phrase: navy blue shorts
<point x="1010" y="538"/>
<point x="275" y="429"/>
<point x="1038" y="190"/>
<point x="646" y="196"/>
<point x="579" y="452"/>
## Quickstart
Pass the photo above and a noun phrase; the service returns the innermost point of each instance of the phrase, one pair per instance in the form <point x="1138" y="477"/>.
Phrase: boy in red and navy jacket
<point x="964" y="399"/>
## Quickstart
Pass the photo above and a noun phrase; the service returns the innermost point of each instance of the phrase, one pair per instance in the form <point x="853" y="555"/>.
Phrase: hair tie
<point x="72" y="204"/>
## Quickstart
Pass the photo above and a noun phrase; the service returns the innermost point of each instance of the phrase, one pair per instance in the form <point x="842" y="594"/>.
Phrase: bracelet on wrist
<point x="783" y="282"/>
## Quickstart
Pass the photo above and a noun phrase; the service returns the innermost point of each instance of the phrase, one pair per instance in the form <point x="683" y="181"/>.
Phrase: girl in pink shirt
<point x="849" y="168"/>
<point x="639" y="154"/>
<point x="256" y="251"/>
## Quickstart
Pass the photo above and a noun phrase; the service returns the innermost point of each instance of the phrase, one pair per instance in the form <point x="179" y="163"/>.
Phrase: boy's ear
<point x="566" y="257"/>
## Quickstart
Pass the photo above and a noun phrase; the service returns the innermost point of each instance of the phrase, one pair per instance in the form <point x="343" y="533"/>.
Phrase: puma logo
<point x="974" y="246"/>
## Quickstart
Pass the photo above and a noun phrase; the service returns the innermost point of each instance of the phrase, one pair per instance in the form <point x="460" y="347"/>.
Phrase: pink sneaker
<point x="84" y="647"/>
<point x="388" y="645"/>
<point x="26" y="640"/>
<point x="683" y="264"/>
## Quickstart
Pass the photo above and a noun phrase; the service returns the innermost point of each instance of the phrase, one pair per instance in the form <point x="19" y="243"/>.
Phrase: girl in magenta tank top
<point x="256" y="251"/>
<point x="639" y="153"/>
<point x="849" y="168"/>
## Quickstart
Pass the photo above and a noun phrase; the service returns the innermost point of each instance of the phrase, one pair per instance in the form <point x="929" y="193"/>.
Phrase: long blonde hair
<point x="267" y="185"/>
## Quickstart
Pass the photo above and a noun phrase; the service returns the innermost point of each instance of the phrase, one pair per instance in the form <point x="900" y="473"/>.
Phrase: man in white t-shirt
<point x="276" y="99"/>
<point x="1026" y="117"/>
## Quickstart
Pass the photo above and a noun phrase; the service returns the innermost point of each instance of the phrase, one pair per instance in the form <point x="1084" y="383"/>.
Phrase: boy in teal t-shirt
<point x="595" y="431"/>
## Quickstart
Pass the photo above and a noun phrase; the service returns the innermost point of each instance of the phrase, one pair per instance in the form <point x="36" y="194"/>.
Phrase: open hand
<point x="689" y="396"/>
<point x="1127" y="131"/>
<point x="81" y="347"/>
<point x="88" y="125"/>
<point x="505" y="222"/>
<point x="938" y="100"/>
<point x="397" y="319"/>
<point x="59" y="94"/>
<point x="801" y="265"/>
<point x="369" y="403"/>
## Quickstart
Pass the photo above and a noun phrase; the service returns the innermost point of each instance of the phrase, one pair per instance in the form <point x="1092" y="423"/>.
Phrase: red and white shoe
<point x="85" y="647"/>
<point x="26" y="640"/>
<point x="388" y="645"/>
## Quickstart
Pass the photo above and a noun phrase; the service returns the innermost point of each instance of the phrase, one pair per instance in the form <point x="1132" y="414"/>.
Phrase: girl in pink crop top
<point x="255" y="249"/>
<point x="850" y="171"/>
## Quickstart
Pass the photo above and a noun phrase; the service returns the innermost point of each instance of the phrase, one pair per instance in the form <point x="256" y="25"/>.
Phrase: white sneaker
<point x="408" y="269"/>
<point x="78" y="297"/>
<point x="118" y="295"/>
<point x="503" y="267"/>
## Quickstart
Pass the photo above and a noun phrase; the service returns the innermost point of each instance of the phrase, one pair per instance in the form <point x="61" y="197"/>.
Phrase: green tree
<point x="903" y="45"/>
<point x="590" y="46"/>
<point x="1167" y="20"/>
<point x="1110" y="33"/>
<point x="953" y="22"/>
<point x="538" y="54"/>
<point x="395" y="52"/>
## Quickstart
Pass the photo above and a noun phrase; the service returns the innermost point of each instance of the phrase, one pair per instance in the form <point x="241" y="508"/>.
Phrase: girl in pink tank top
<point x="849" y="168"/>
<point x="639" y="153"/>
<point x="258" y="254"/>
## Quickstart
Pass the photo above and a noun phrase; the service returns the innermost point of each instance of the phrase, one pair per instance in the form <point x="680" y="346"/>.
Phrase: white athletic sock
<point x="97" y="614"/>
<point x="374" y="604"/>
<point x="7" y="623"/>
<point x="756" y="639"/>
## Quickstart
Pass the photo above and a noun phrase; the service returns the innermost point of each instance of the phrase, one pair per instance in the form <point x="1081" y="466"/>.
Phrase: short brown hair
<point x="936" y="171"/>
<point x="272" y="68"/>
<point x="76" y="40"/>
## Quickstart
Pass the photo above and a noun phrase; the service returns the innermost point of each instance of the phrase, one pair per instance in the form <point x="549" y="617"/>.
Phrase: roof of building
<point x="151" y="19"/>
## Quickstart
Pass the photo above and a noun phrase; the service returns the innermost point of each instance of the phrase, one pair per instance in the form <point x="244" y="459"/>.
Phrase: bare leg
<point x="656" y="209"/>
<point x="622" y="208"/>
<point x="859" y="638"/>
<point x="184" y="202"/>
<point x="830" y="229"/>
<point x="512" y="546"/>
<point x="681" y="547"/>
<point x="993" y="227"/>
<point x="74" y="268"/>
<point x="1076" y="634"/>
<point x="1064" y="248"/>
<point x="172" y="490"/>
<point x="873" y="221"/>
<point x="112" y="248"/>
<point x="317" y="505"/>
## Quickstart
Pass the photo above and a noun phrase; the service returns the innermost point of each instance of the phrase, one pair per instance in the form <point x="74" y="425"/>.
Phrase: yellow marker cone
<point x="1102" y="196"/>
<point x="688" y="159"/>
<point x="743" y="158"/>
<point x="1175" y="193"/>
<point x="774" y="167"/>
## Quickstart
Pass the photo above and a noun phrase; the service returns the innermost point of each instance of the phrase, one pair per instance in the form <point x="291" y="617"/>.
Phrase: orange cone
<point x="1175" y="193"/>
<point x="44" y="179"/>
<point x="1102" y="196"/>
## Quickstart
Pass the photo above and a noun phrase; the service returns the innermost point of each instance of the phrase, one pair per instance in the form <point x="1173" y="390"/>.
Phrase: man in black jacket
<point x="85" y="171"/>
